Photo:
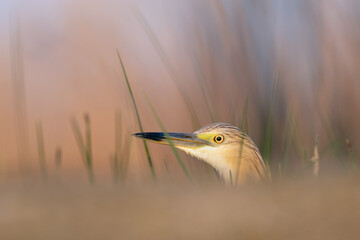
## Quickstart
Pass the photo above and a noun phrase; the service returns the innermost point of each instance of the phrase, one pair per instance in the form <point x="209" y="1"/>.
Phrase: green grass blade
<point x="244" y="121"/>
<point x="58" y="160"/>
<point x="41" y="149"/>
<point x="114" y="164"/>
<point x="82" y="148"/>
<point x="288" y="134"/>
<point x="137" y="116"/>
<point x="162" y="127"/>
<point x="125" y="156"/>
<point x="79" y="140"/>
<point x="269" y="131"/>
<point x="89" y="155"/>
<point x="19" y="92"/>
<point x="115" y="160"/>
<point x="120" y="161"/>
<point x="118" y="142"/>
<point x="88" y="139"/>
<point x="315" y="158"/>
<point x="351" y="153"/>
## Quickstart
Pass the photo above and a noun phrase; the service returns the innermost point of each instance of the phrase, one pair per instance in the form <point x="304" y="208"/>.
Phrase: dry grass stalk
<point x="315" y="158"/>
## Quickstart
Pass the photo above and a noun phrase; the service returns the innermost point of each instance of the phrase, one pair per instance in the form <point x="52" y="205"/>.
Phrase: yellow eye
<point x="219" y="138"/>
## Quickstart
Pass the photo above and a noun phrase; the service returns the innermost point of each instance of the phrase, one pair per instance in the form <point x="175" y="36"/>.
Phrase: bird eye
<point x="219" y="138"/>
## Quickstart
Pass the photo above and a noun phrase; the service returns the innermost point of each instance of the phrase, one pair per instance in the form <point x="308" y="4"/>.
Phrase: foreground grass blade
<point x="120" y="161"/>
<point x="88" y="153"/>
<point x="58" y="161"/>
<point x="269" y="132"/>
<point x="85" y="151"/>
<point x="161" y="125"/>
<point x="41" y="149"/>
<point x="244" y="121"/>
<point x="286" y="136"/>
<point x="19" y="94"/>
<point x="115" y="159"/>
<point x="124" y="164"/>
<point x="315" y="158"/>
<point x="138" y="117"/>
<point x="351" y="153"/>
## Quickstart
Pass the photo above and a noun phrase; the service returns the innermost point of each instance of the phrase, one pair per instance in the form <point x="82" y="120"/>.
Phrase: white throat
<point x="209" y="155"/>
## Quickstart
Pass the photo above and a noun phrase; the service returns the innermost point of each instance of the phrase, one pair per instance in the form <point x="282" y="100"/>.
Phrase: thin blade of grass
<point x="82" y="147"/>
<point x="244" y="121"/>
<point x="114" y="164"/>
<point x="118" y="142"/>
<point x="119" y="161"/>
<point x="89" y="155"/>
<point x="79" y="140"/>
<point x="269" y="131"/>
<point x="333" y="137"/>
<point x="137" y="116"/>
<point x="115" y="160"/>
<point x="19" y="88"/>
<point x="298" y="140"/>
<point x="125" y="156"/>
<point x="315" y="158"/>
<point x="41" y="149"/>
<point x="162" y="127"/>
<point x="288" y="134"/>
<point x="58" y="161"/>
<point x="351" y="153"/>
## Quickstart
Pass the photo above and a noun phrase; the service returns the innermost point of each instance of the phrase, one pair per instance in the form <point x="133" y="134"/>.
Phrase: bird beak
<point x="178" y="139"/>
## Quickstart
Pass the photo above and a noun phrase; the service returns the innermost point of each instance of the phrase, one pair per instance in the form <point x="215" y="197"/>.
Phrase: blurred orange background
<point x="58" y="60"/>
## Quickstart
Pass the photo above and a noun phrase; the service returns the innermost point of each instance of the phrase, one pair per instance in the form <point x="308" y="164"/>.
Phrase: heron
<point x="226" y="148"/>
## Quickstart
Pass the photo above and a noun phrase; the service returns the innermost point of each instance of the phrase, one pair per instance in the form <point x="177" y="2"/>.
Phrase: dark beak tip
<point x="136" y="134"/>
<point x="154" y="136"/>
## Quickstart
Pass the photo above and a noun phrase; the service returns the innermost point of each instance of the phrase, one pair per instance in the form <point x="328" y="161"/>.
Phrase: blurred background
<point x="283" y="71"/>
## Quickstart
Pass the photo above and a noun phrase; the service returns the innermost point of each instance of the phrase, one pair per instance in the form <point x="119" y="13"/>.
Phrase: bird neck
<point x="235" y="165"/>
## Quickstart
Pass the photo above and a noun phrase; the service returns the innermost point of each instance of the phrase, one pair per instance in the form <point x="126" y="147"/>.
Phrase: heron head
<point x="218" y="144"/>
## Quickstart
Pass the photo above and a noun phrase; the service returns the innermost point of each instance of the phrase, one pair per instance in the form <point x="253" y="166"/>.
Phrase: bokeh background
<point x="284" y="71"/>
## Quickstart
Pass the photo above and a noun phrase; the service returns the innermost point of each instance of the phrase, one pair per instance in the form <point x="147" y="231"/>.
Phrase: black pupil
<point x="218" y="138"/>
